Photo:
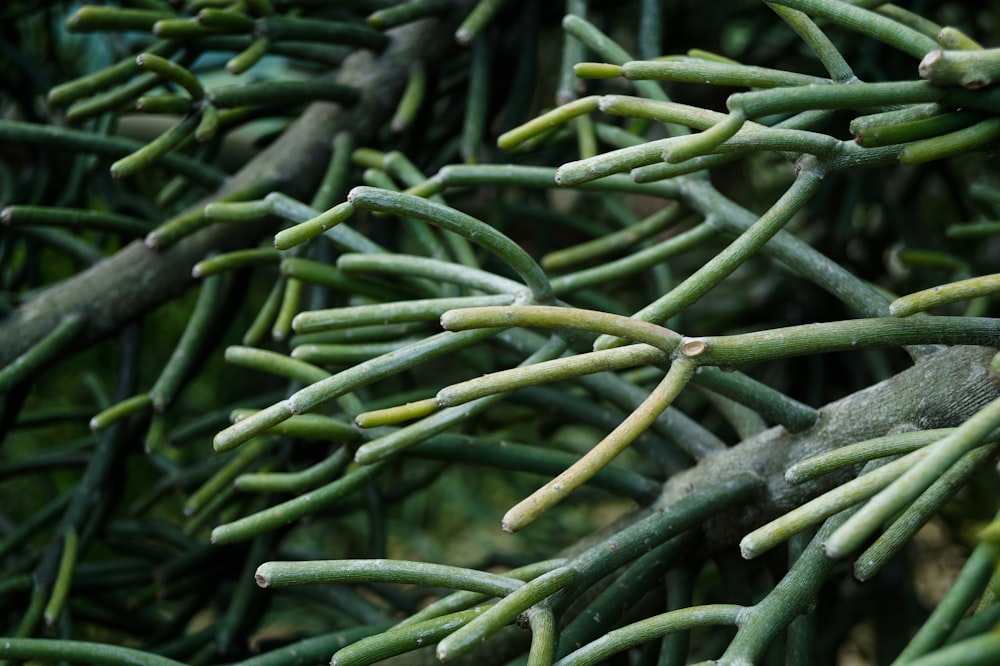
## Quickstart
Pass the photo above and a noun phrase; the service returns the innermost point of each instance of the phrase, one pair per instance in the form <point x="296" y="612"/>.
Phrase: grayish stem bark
<point x="136" y="280"/>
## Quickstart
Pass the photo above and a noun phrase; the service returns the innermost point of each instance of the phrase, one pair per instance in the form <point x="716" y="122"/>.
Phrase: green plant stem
<point x="862" y="452"/>
<point x="74" y="218"/>
<point x="982" y="650"/>
<point x="652" y="529"/>
<point x="598" y="248"/>
<point x="548" y="316"/>
<point x="635" y="262"/>
<point x="951" y="292"/>
<point x="201" y="326"/>
<point x="796" y="254"/>
<point x="526" y="458"/>
<point x="903" y="528"/>
<point x="617" y="599"/>
<point x="112" y="291"/>
<point x="425" y="267"/>
<point x="316" y="649"/>
<point x="321" y="392"/>
<point x="747" y="348"/>
<point x="967" y="587"/>
<point x="297" y="212"/>
<point x="447" y="218"/>
<point x="41" y="354"/>
<point x="402" y="639"/>
<point x="279" y="28"/>
<point x="79" y="652"/>
<point x="940" y="456"/>
<point x="64" y="577"/>
<point x="412" y="99"/>
<point x="611" y="52"/>
<point x="291" y="510"/>
<point x="295" y="482"/>
<point x="171" y="71"/>
<point x="734" y="255"/>
<point x="236" y="260"/>
<point x="308" y="426"/>
<point x="867" y="23"/>
<point x="817" y="41"/>
<point x="553" y="492"/>
<point x="477" y="19"/>
<point x="503" y="612"/>
<point x="120" y="410"/>
<point x="389" y="445"/>
<point x="559" y="116"/>
<point x="970" y="69"/>
<point x="319" y="273"/>
<point x="320" y="572"/>
<point x="264" y="360"/>
<point x="859" y="95"/>
<point x="793" y="595"/>
<point x="398" y="414"/>
<point x="222" y="479"/>
<point x="457" y="601"/>
<point x="157" y="148"/>
<point x="542" y="622"/>
<point x="549" y="371"/>
<point x="953" y="143"/>
<point x="573" y="51"/>
<point x="89" y="84"/>
<point x="716" y="73"/>
<point x="405" y="12"/>
<point x="390" y="313"/>
<point x="875" y="477"/>
<point x="636" y="633"/>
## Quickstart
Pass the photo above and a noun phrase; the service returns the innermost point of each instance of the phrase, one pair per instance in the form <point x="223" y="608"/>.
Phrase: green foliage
<point x="645" y="332"/>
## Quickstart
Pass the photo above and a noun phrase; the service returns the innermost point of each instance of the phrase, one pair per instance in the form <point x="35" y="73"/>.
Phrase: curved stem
<point x="604" y="452"/>
<point x="655" y="627"/>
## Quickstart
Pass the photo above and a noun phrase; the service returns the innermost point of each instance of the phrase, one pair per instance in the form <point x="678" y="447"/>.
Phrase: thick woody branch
<point x="941" y="390"/>
<point x="138" y="279"/>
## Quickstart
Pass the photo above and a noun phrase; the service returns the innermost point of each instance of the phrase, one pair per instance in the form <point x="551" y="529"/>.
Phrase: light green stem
<point x="547" y="316"/>
<point x="905" y="527"/>
<point x="390" y="313"/>
<point x="324" y="572"/>
<point x="862" y="452"/>
<point x="733" y="256"/>
<point x="845" y="335"/>
<point x="637" y="633"/>
<point x="604" y="452"/>
<point x="952" y="292"/>
<point x="940" y="457"/>
<point x="550" y="371"/>
<point x="716" y="73"/>
<point x="80" y="652"/>
<point x="425" y="267"/>
<point x="503" y="612"/>
<point x="465" y="225"/>
<point x="819" y="509"/>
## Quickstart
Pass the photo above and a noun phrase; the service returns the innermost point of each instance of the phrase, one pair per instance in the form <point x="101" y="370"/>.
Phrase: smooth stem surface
<point x="505" y="249"/>
<point x="84" y="652"/>
<point x="840" y="336"/>
<point x="503" y="612"/>
<point x="316" y="572"/>
<point x="657" y="626"/>
<point x="543" y="316"/>
<point x="734" y="255"/>
<point x="604" y="452"/>
<point x="915" y="480"/>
